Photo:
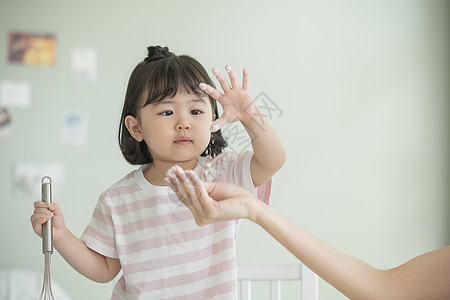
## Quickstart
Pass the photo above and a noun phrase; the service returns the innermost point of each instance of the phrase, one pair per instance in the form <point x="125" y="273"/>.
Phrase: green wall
<point x="363" y="99"/>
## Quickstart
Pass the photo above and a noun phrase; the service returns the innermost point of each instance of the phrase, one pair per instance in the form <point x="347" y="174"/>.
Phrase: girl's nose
<point x="183" y="124"/>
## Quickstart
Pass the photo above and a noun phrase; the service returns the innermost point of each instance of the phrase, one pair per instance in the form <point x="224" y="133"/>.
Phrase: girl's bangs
<point x="169" y="76"/>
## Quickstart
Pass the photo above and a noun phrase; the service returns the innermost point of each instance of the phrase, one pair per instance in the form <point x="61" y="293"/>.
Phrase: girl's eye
<point x="196" y="112"/>
<point x="167" y="113"/>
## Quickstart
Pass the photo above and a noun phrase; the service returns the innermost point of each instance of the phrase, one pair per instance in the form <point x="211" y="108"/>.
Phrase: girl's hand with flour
<point x="236" y="100"/>
<point x="237" y="103"/>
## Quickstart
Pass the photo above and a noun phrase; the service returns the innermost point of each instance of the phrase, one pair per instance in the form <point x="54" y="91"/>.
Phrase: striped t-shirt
<point x="163" y="253"/>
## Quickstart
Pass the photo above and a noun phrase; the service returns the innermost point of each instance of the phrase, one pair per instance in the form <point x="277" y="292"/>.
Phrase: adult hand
<point x="210" y="202"/>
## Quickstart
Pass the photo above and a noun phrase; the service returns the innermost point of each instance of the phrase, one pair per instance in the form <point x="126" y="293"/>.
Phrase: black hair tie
<point x="157" y="53"/>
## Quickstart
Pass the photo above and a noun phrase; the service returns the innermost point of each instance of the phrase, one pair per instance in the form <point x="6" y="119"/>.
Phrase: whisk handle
<point x="47" y="228"/>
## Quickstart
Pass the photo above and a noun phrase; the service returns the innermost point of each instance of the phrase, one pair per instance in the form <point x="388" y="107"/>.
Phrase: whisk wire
<point x="46" y="293"/>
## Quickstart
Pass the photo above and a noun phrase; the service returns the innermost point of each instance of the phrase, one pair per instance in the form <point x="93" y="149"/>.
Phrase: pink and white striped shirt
<point x="163" y="253"/>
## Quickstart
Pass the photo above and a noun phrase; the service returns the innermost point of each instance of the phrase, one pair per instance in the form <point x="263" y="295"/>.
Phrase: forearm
<point x="424" y="277"/>
<point x="84" y="260"/>
<point x="351" y="276"/>
<point x="268" y="149"/>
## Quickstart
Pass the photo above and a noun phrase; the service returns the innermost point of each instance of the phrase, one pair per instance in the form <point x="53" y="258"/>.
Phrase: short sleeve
<point x="235" y="168"/>
<point x="99" y="234"/>
<point x="240" y="173"/>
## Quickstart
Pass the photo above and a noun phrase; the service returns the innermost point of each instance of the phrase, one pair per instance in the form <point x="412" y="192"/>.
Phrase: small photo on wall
<point x="6" y="122"/>
<point x="32" y="49"/>
<point x="26" y="178"/>
<point x="74" y="127"/>
<point x="84" y="65"/>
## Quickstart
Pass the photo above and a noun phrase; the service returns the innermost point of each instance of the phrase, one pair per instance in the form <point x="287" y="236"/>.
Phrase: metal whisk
<point x="47" y="241"/>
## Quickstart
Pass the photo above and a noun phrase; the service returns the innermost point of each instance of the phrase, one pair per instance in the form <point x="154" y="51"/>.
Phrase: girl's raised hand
<point x="44" y="212"/>
<point x="236" y="101"/>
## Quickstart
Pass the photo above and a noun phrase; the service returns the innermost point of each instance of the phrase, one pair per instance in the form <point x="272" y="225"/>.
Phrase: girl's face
<point x="176" y="130"/>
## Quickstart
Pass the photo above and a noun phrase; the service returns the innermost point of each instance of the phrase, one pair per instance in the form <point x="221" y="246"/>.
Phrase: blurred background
<point x="358" y="91"/>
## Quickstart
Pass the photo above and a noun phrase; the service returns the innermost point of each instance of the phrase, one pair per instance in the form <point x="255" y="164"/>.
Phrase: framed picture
<point x="32" y="49"/>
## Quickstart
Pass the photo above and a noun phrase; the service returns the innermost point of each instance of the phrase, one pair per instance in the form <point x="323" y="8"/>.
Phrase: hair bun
<point x="156" y="53"/>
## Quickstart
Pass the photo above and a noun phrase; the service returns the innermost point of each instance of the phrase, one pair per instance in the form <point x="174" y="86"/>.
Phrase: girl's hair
<point x="160" y="75"/>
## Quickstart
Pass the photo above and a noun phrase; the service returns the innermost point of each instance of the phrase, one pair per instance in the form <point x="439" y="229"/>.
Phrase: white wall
<point x="363" y="89"/>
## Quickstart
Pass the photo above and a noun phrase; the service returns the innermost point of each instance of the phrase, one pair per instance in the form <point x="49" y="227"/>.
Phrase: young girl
<point x="139" y="225"/>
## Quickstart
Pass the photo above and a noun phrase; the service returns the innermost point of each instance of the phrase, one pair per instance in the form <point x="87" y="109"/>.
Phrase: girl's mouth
<point x="183" y="141"/>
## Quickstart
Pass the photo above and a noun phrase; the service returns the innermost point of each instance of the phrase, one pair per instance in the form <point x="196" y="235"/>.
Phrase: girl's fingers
<point x="185" y="184"/>
<point x="215" y="94"/>
<point x="176" y="187"/>
<point x="217" y="124"/>
<point x="245" y="80"/>
<point x="37" y="220"/>
<point x="42" y="208"/>
<point x="178" y="184"/>
<point x="193" y="192"/>
<point x="54" y="207"/>
<point x="41" y="220"/>
<point x="40" y="204"/>
<point x="222" y="81"/>
<point x="187" y="190"/>
<point x="197" y="185"/>
<point x="193" y="178"/>
<point x="233" y="79"/>
<point x="170" y="182"/>
<point x="41" y="212"/>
